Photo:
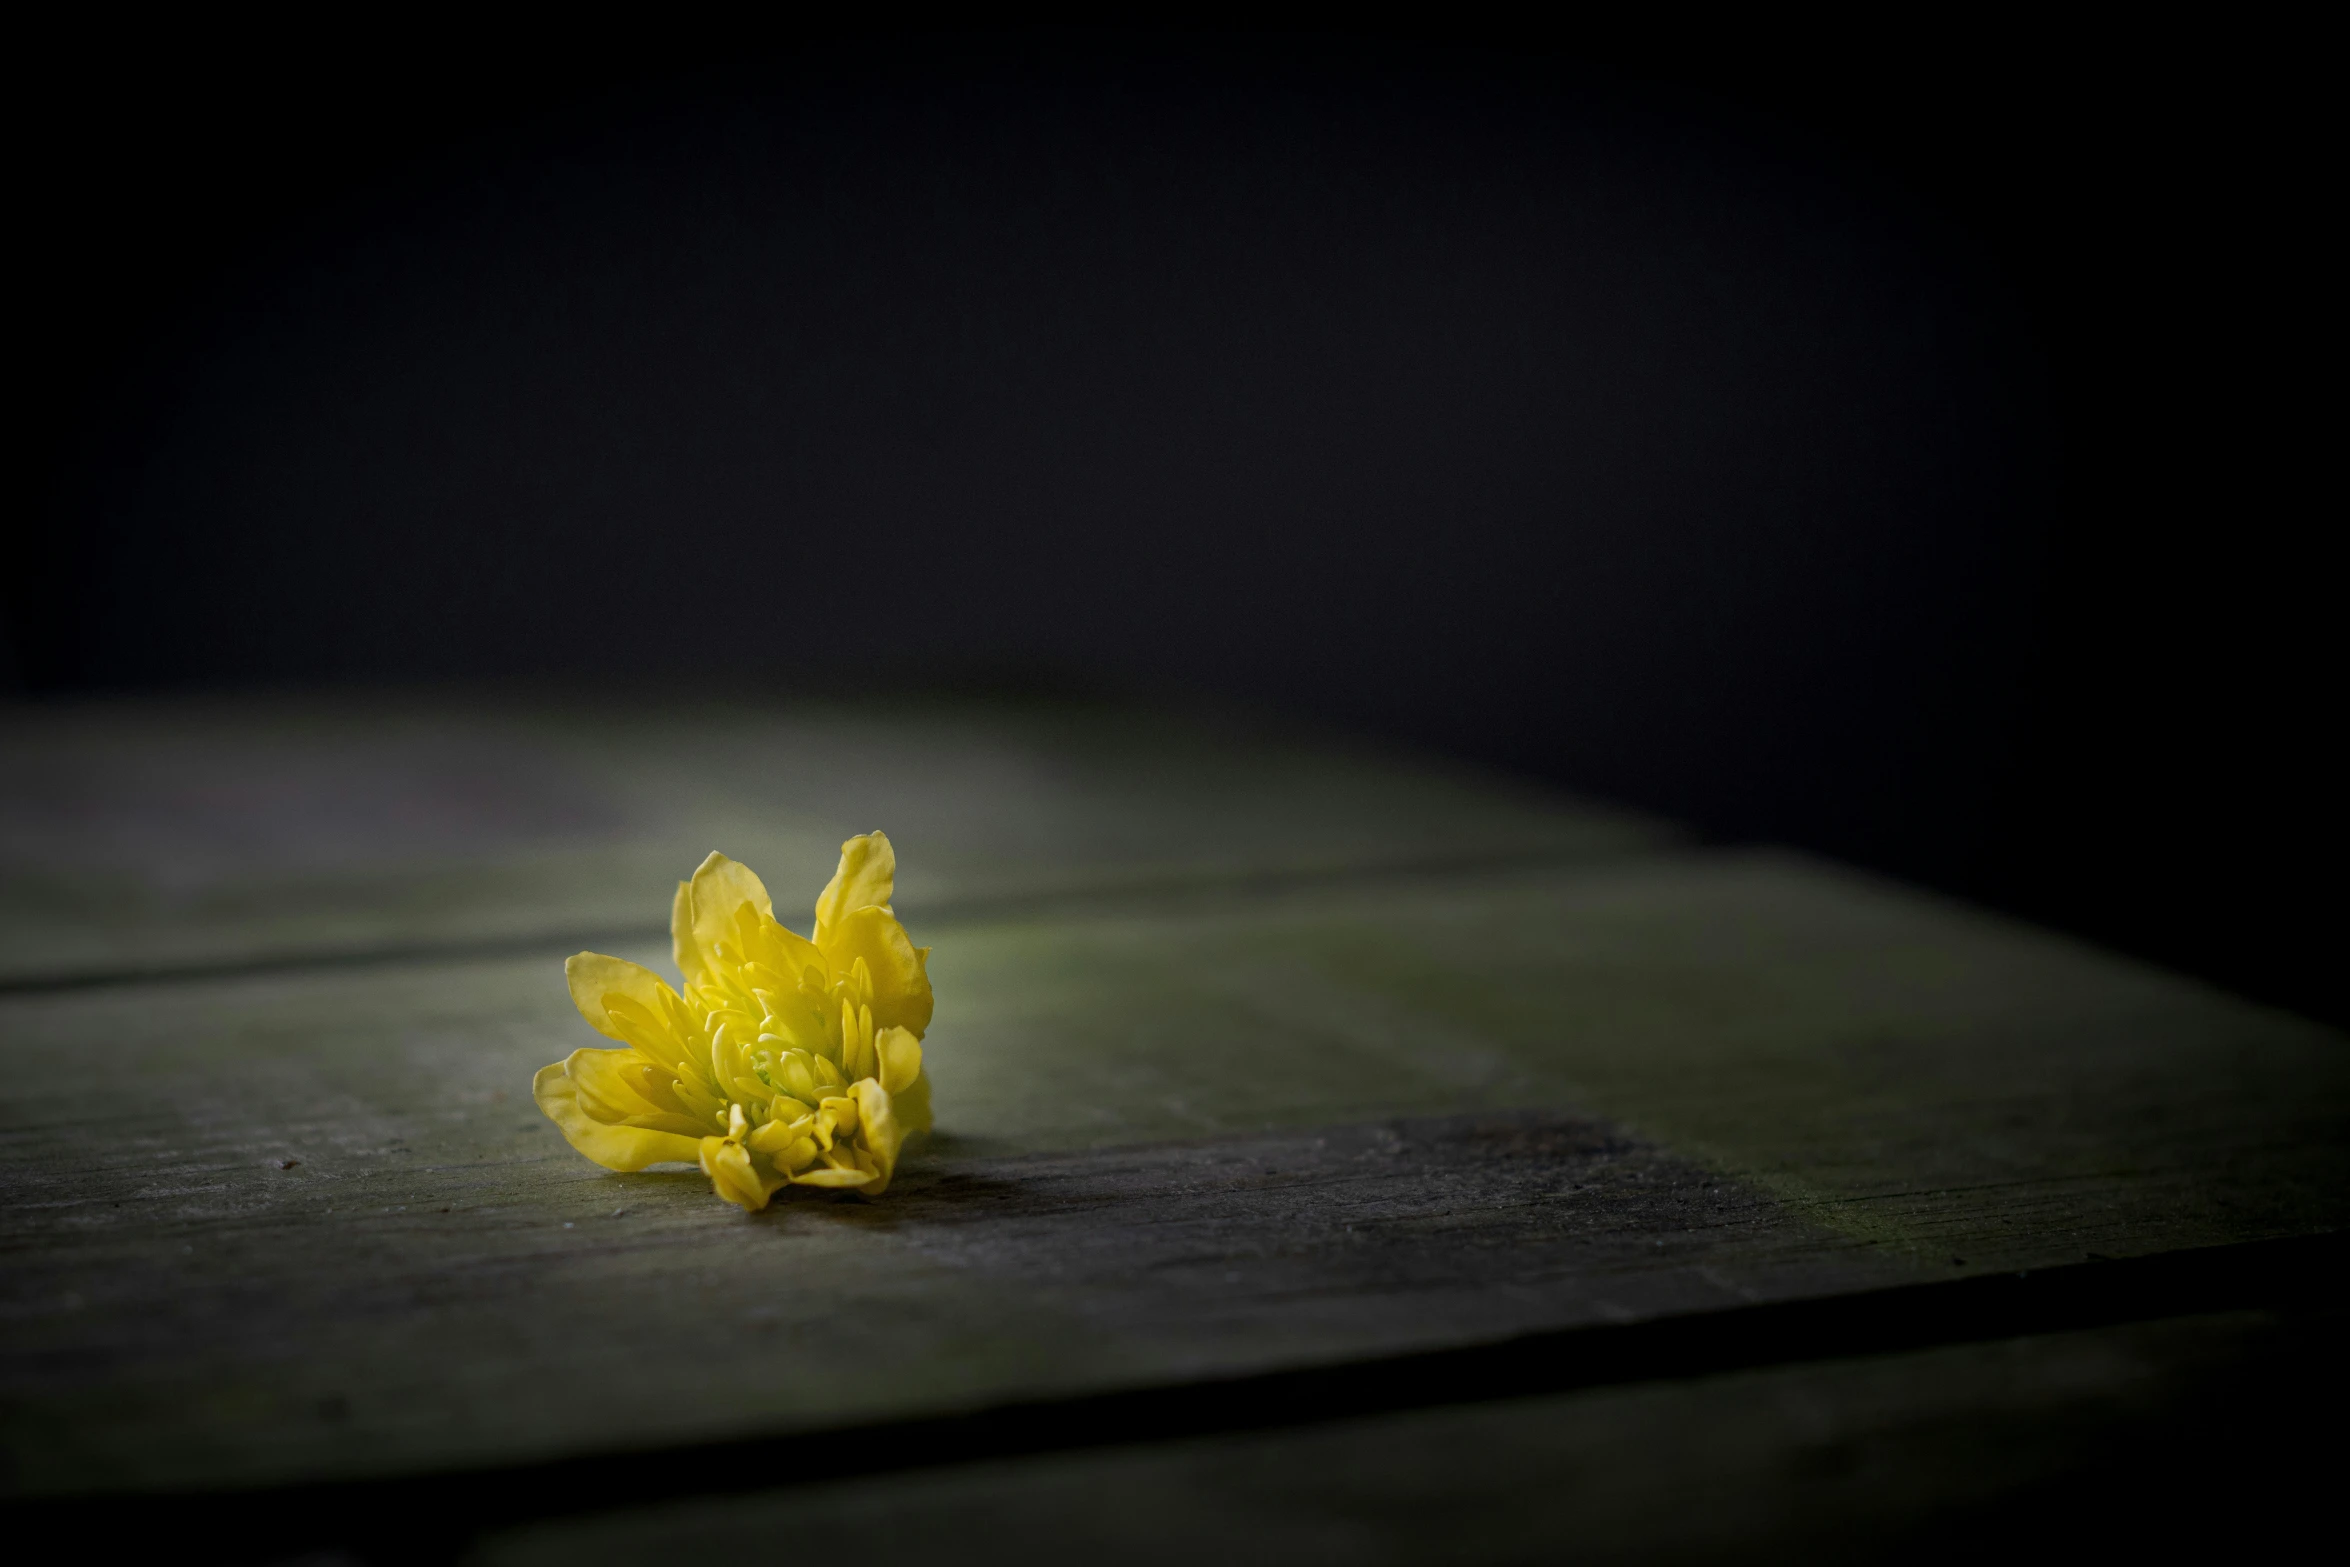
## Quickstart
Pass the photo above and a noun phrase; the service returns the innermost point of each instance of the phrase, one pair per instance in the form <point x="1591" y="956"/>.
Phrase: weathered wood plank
<point x="140" y="837"/>
<point x="1899" y="1066"/>
<point x="1826" y="1082"/>
<point x="502" y="1315"/>
<point x="2162" y="1434"/>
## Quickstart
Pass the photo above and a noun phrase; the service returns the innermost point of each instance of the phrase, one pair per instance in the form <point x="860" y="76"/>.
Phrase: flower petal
<point x="688" y="952"/>
<point x="867" y="878"/>
<point x="786" y="951"/>
<point x="593" y="976"/>
<point x="735" y="1175"/>
<point x="878" y="1125"/>
<point x="658" y="1039"/>
<point x="912" y="1109"/>
<point x="757" y="1015"/>
<point x="617" y="1087"/>
<point x="779" y="1134"/>
<point x="719" y="889"/>
<point x="831" y="1177"/>
<point x="901" y="1058"/>
<point x="901" y="983"/>
<point x="614" y="1147"/>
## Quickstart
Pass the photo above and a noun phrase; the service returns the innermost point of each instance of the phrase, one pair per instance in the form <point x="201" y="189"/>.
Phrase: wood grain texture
<point x="1946" y="1082"/>
<point x="1181" y="1133"/>
<point x="2161" y="1436"/>
<point x="164" y="836"/>
<point x="482" y="1327"/>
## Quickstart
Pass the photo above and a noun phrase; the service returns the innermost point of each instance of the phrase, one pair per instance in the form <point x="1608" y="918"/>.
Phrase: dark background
<point x="1890" y="445"/>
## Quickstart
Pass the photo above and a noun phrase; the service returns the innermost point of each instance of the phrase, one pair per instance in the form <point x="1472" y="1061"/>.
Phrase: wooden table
<point x="1339" y="1158"/>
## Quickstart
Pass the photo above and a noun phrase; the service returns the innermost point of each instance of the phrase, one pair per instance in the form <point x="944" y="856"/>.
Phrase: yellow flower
<point x="783" y="1059"/>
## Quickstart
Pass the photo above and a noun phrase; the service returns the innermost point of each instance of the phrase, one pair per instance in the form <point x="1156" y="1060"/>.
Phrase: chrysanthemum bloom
<point x="784" y="1060"/>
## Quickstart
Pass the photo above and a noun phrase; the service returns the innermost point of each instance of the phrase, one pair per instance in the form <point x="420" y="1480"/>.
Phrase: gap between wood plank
<point x="433" y="1517"/>
<point x="958" y="911"/>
